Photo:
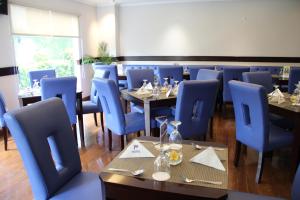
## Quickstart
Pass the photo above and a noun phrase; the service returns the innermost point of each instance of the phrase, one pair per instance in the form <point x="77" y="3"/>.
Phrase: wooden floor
<point x="276" y="180"/>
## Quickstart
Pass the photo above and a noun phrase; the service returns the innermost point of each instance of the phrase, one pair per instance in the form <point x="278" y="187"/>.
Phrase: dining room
<point x="149" y="99"/>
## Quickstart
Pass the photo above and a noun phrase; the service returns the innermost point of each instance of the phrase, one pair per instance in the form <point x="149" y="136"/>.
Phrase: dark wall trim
<point x="211" y="58"/>
<point x="6" y="71"/>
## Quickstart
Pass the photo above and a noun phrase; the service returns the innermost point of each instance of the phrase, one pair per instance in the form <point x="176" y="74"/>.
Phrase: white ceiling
<point x="104" y="2"/>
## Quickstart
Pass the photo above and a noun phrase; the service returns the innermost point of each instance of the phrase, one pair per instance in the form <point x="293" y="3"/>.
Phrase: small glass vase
<point x="161" y="167"/>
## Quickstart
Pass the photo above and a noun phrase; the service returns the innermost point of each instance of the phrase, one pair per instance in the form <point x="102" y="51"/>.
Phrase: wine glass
<point x="156" y="89"/>
<point x="144" y="85"/>
<point x="175" y="145"/>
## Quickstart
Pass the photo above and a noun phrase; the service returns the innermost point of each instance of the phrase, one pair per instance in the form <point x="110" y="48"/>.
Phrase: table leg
<point x="80" y="119"/>
<point x="125" y="105"/>
<point x="147" y="118"/>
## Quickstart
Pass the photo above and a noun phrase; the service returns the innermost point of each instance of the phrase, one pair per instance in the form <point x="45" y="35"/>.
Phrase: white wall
<point x="217" y="28"/>
<point x="9" y="85"/>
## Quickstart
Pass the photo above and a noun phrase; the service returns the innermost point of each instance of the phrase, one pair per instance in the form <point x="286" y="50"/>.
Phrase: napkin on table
<point x="136" y="150"/>
<point x="276" y="96"/>
<point x="209" y="158"/>
<point x="149" y="86"/>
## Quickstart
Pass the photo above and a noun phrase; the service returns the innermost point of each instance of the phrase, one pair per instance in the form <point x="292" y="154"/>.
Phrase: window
<point x="44" y="40"/>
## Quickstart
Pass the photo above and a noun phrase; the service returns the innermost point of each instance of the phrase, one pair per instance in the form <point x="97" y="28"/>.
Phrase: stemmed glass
<point x="36" y="86"/>
<point x="175" y="145"/>
<point x="175" y="90"/>
<point x="144" y="85"/>
<point x="155" y="89"/>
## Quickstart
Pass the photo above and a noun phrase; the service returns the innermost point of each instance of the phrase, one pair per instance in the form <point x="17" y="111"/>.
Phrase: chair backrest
<point x="263" y="78"/>
<point x="47" y="146"/>
<point x="231" y="73"/>
<point x="135" y="77"/>
<point x="251" y="114"/>
<point x="296" y="185"/>
<point x="194" y="69"/>
<point x="99" y="73"/>
<point x="64" y="87"/>
<point x="195" y="101"/>
<point x="110" y="100"/>
<point x="2" y="111"/>
<point x="294" y="78"/>
<point x="272" y="69"/>
<point x="207" y="74"/>
<point x="113" y="71"/>
<point x="172" y="72"/>
<point x="39" y="74"/>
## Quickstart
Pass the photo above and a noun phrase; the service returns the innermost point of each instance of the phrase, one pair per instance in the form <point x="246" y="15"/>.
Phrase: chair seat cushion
<point x="154" y="112"/>
<point x="82" y="186"/>
<point x="90" y="107"/>
<point x="232" y="195"/>
<point x="136" y="122"/>
<point x="278" y="138"/>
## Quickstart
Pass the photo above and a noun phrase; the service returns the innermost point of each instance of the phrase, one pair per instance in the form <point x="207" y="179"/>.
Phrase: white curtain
<point x="32" y="21"/>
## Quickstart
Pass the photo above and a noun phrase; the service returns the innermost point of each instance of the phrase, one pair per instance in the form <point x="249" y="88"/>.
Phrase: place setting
<point x="173" y="160"/>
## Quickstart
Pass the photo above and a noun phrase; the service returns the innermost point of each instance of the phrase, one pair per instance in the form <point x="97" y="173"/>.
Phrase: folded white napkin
<point x="209" y="158"/>
<point x="136" y="150"/>
<point x="276" y="96"/>
<point x="149" y="86"/>
<point x="143" y="91"/>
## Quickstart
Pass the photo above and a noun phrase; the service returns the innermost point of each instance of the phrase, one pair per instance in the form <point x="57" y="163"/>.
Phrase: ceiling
<point x="104" y="2"/>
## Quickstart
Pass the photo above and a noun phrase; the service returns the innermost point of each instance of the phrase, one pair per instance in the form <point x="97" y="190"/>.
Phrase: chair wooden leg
<point x="5" y="134"/>
<point x="122" y="142"/>
<point x="260" y="167"/>
<point x="245" y="149"/>
<point x="109" y="139"/>
<point x="101" y="122"/>
<point x="211" y="125"/>
<point x="139" y="133"/>
<point x="95" y="119"/>
<point x="75" y="132"/>
<point x="237" y="153"/>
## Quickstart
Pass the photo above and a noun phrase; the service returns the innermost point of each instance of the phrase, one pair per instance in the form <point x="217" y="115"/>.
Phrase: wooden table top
<point x="134" y="188"/>
<point x="287" y="105"/>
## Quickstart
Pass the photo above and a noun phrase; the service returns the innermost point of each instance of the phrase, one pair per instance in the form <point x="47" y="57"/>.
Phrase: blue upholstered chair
<point x="135" y="79"/>
<point x="116" y="121"/>
<point x="50" y="154"/>
<point x="231" y="73"/>
<point x="173" y="73"/>
<point x="274" y="70"/>
<point x="93" y="105"/>
<point x="252" y="123"/>
<point x="263" y="78"/>
<point x="206" y="75"/>
<point x="65" y="88"/>
<point x="113" y="74"/>
<point x="193" y="70"/>
<point x="294" y="78"/>
<point x="194" y="104"/>
<point x="2" y="122"/>
<point x="39" y="74"/>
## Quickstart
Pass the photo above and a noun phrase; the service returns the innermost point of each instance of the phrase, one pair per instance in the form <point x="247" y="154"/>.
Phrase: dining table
<point x="148" y="102"/>
<point x="30" y="96"/>
<point x="211" y="183"/>
<point x="291" y="112"/>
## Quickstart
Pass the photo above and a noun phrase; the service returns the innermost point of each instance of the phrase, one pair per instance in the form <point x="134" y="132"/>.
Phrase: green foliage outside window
<point x="40" y="52"/>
